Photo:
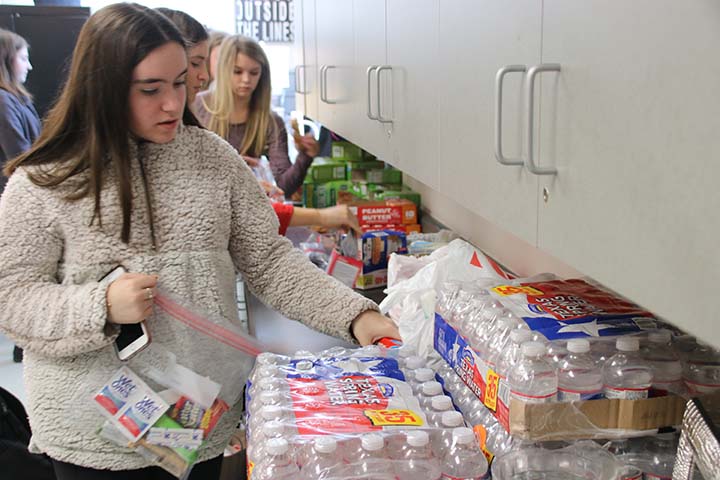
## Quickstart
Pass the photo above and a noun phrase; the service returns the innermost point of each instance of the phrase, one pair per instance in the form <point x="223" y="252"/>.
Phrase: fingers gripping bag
<point x="177" y="401"/>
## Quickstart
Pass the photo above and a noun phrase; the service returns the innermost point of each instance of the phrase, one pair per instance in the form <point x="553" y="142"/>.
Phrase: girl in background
<point x="238" y="109"/>
<point x="197" y="45"/>
<point x="19" y="121"/>
<point x="216" y="38"/>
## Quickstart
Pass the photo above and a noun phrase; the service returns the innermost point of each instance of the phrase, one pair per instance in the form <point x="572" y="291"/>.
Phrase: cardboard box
<point x="375" y="249"/>
<point x="387" y="213"/>
<point x="325" y="170"/>
<point x="554" y="421"/>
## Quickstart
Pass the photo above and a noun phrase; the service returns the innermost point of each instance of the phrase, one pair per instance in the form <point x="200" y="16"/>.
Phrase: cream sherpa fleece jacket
<point x="211" y="220"/>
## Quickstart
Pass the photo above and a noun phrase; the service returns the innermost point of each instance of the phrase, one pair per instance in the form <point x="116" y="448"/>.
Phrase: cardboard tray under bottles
<point x="560" y="420"/>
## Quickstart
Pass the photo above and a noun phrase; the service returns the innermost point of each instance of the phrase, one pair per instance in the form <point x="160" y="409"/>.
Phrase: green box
<point x="322" y="195"/>
<point x="326" y="170"/>
<point x="384" y="176"/>
<point x="346" y="152"/>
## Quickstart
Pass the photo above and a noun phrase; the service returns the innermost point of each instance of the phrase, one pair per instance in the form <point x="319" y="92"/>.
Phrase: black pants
<point x="208" y="470"/>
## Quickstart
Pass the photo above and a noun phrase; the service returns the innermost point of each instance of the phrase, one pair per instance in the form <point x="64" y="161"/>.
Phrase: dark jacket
<point x="19" y="127"/>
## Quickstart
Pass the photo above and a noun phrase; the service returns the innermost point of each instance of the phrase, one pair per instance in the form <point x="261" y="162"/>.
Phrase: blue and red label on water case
<point x="564" y="309"/>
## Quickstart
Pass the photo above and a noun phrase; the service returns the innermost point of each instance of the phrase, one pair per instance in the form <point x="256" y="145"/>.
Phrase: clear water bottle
<point x="371" y="461"/>
<point x="268" y="414"/>
<point x="265" y="371"/>
<point x="533" y="380"/>
<point x="442" y="439"/>
<point x="446" y="298"/>
<point x="258" y="441"/>
<point x="626" y="375"/>
<point x="578" y="376"/>
<point x="464" y="460"/>
<point x="555" y="353"/>
<point x="498" y="440"/>
<point x="324" y="460"/>
<point x="278" y="464"/>
<point x="438" y="405"/>
<point x="417" y="461"/>
<point x="664" y="363"/>
<point x="268" y="384"/>
<point x="510" y="357"/>
<point x="498" y="342"/>
<point x="429" y="390"/>
<point x="413" y="363"/>
<point x="418" y="377"/>
<point x="601" y="351"/>
<point x="702" y="371"/>
<point x="266" y="398"/>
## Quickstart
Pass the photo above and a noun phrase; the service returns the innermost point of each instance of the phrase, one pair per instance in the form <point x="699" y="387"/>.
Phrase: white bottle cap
<point x="417" y="438"/>
<point x="578" y="345"/>
<point x="273" y="428"/>
<point x="660" y="336"/>
<point x="326" y="444"/>
<point x="271" y="412"/>
<point x="520" y="336"/>
<point x="463" y="435"/>
<point x="441" y="402"/>
<point x="268" y="371"/>
<point x="430" y="389"/>
<point x="423" y="375"/>
<point x="627" y="344"/>
<point x="532" y="349"/>
<point x="277" y="446"/>
<point x="372" y="442"/>
<point x="452" y="419"/>
<point x="414" y="362"/>
<point x="267" y="358"/>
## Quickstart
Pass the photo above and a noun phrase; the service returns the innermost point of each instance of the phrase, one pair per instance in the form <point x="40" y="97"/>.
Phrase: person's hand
<point x="130" y="298"/>
<point x="371" y="326"/>
<point x="272" y="191"/>
<point x="307" y="145"/>
<point x="339" y="216"/>
<point x="251" y="161"/>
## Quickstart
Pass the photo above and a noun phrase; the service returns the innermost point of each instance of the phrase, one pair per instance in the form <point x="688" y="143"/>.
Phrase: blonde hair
<point x="221" y="102"/>
<point x="215" y="39"/>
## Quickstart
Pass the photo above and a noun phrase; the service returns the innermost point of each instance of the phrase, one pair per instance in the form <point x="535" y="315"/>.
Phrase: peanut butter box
<point x="389" y="212"/>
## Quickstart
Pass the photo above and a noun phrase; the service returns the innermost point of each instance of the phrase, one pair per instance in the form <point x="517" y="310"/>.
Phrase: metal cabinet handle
<point x="498" y="114"/>
<point x="324" y="83"/>
<point x="530" y="102"/>
<point x="297" y="79"/>
<point x="369" y="72"/>
<point x="380" y="118"/>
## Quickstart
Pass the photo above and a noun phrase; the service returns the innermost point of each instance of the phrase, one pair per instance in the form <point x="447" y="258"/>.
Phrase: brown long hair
<point x="87" y="130"/>
<point x="220" y="103"/>
<point x="10" y="44"/>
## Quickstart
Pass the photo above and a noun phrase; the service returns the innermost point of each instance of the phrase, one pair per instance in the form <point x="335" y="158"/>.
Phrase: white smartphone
<point x="133" y="337"/>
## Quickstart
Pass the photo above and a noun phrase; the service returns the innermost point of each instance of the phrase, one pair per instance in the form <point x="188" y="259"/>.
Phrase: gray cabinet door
<point x="477" y="39"/>
<point x="632" y="123"/>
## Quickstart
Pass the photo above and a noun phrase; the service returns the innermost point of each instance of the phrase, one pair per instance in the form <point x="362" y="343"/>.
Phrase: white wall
<point x="218" y="15"/>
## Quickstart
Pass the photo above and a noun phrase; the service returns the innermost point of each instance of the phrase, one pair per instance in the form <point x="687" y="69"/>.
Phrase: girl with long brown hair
<point x="116" y="178"/>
